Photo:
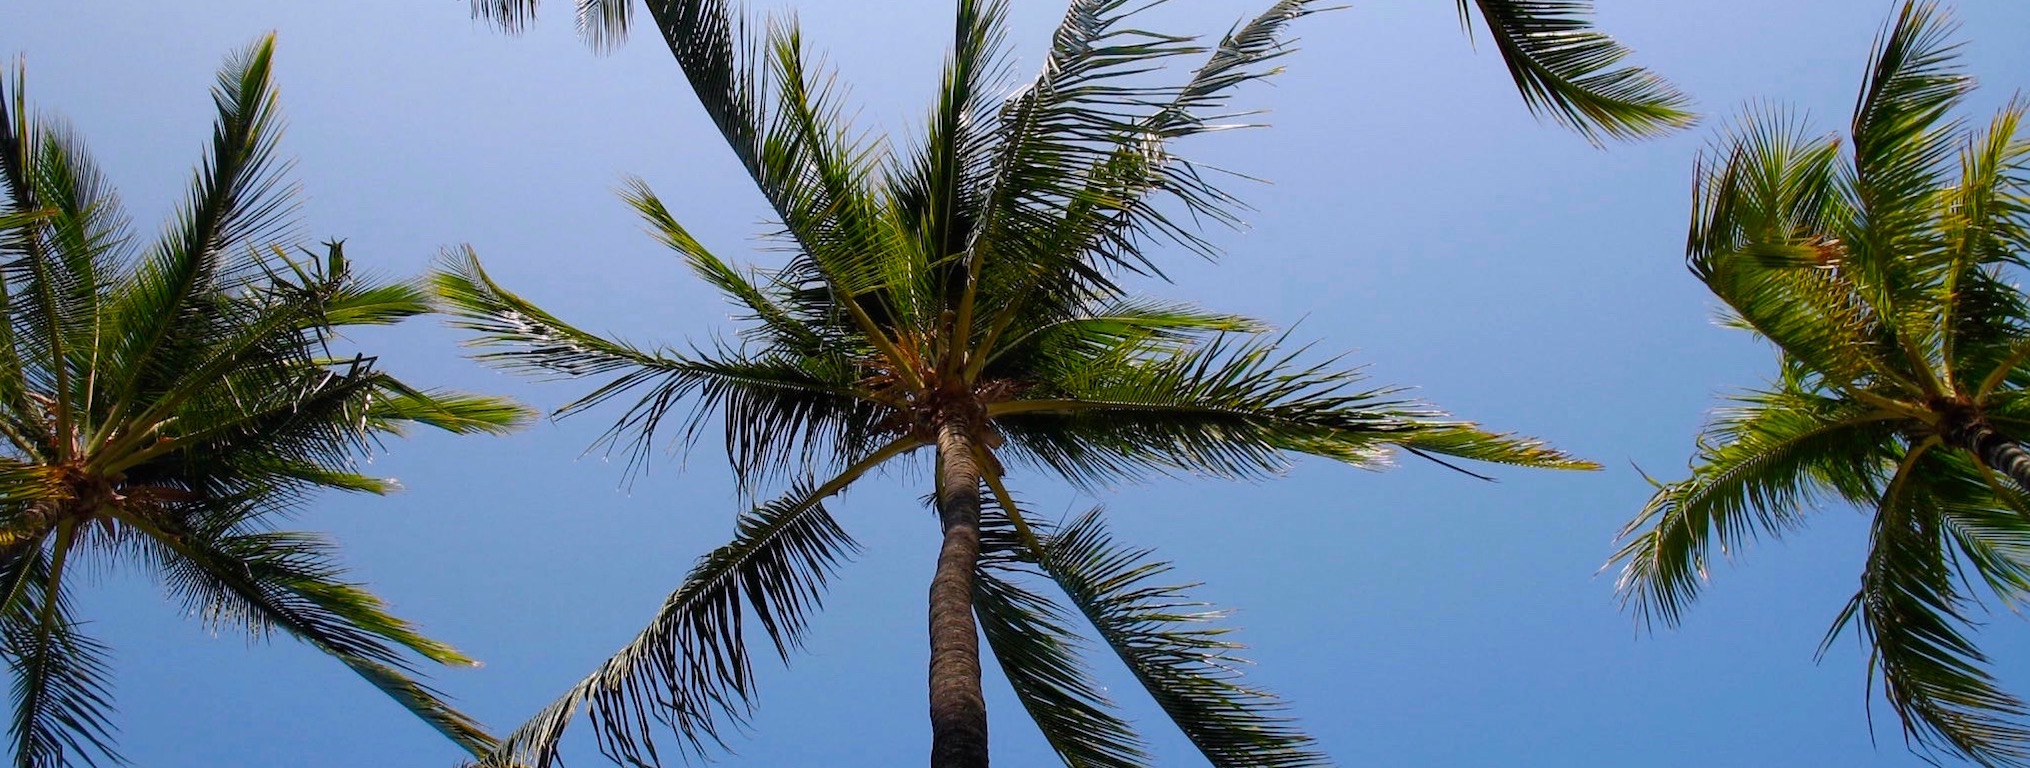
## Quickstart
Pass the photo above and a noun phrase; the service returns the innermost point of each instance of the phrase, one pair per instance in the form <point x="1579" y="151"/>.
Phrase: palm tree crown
<point x="159" y="405"/>
<point x="1880" y="274"/>
<point x="965" y="296"/>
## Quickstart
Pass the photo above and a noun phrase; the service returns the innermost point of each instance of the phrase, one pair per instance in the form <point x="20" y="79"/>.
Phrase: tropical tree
<point x="1881" y="276"/>
<point x="160" y="405"/>
<point x="965" y="296"/>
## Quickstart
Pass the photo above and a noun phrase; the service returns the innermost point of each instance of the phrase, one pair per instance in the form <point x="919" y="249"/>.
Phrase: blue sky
<point x="1417" y="218"/>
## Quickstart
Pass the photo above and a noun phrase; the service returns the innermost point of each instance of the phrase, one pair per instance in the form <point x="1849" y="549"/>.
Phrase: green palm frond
<point x="262" y="581"/>
<point x="1232" y="406"/>
<point x="1147" y="326"/>
<point x="780" y="320"/>
<point x="61" y="678"/>
<point x="1986" y="228"/>
<point x="1762" y="463"/>
<point x="166" y="402"/>
<point x="774" y="406"/>
<point x="690" y="668"/>
<point x="1083" y="171"/>
<point x="1041" y="655"/>
<point x="1165" y="638"/>
<point x="1911" y="614"/>
<point x="1567" y="70"/>
<point x="239" y="201"/>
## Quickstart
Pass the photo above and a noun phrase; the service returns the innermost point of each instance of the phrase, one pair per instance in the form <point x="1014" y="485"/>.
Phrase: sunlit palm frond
<point x="1084" y="171"/>
<point x="1985" y="227"/>
<point x="1567" y="70"/>
<point x="239" y="200"/>
<point x="1763" y="463"/>
<point x="262" y="581"/>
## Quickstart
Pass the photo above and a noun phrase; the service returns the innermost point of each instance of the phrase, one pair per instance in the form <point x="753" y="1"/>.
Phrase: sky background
<point x="1417" y="217"/>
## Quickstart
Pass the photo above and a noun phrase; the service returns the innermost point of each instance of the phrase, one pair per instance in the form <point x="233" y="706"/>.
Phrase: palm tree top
<point x="161" y="402"/>
<point x="1881" y="267"/>
<point x="965" y="291"/>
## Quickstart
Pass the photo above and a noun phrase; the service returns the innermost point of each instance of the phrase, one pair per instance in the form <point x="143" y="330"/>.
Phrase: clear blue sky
<point x="1418" y="218"/>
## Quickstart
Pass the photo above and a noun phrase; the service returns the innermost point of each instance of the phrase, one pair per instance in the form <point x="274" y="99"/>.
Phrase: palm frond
<point x="262" y="581"/>
<point x="1985" y="227"/>
<point x="602" y="24"/>
<point x="1567" y="70"/>
<point x="1933" y="676"/>
<point x="61" y="689"/>
<point x="1041" y="655"/>
<point x="1233" y="406"/>
<point x="1761" y="465"/>
<point x="690" y="669"/>
<point x="1164" y="638"/>
<point x="779" y="322"/>
<point x="239" y="199"/>
<point x="939" y="190"/>
<point x="1766" y="239"/>
<point x="534" y="340"/>
<point x="773" y="406"/>
<point x="1084" y="173"/>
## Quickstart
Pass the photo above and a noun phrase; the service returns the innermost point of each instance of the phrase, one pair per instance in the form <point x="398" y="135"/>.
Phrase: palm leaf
<point x="61" y="678"/>
<point x="262" y="581"/>
<point x="1910" y="613"/>
<point x="1038" y="651"/>
<point x="1163" y="637"/>
<point x="690" y="668"/>
<point x="1230" y="407"/>
<point x="1567" y="70"/>
<point x="1763" y="463"/>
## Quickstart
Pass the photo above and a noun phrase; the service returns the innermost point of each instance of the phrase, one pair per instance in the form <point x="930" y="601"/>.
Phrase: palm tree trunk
<point x="1996" y="451"/>
<point x="958" y="712"/>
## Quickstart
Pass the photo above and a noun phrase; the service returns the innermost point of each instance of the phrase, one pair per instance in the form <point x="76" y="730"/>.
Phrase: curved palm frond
<point x="1038" y="651"/>
<point x="1566" y="69"/>
<point x="1761" y="464"/>
<point x="239" y="202"/>
<point x="1083" y="166"/>
<point x="61" y="678"/>
<point x="1163" y="636"/>
<point x="1986" y="228"/>
<point x="774" y="406"/>
<point x="1914" y="618"/>
<point x="690" y="669"/>
<point x="260" y="581"/>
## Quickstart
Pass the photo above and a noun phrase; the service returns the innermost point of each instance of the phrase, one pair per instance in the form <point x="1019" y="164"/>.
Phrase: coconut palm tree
<point x="160" y="404"/>
<point x="1881" y="276"/>
<point x="964" y="299"/>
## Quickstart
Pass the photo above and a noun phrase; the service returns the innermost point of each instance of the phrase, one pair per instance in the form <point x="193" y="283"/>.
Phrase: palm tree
<point x="965" y="298"/>
<point x="161" y="406"/>
<point x="1881" y="277"/>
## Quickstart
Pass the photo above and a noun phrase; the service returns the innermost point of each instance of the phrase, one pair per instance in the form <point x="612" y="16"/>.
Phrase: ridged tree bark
<point x="1995" y="450"/>
<point x="958" y="710"/>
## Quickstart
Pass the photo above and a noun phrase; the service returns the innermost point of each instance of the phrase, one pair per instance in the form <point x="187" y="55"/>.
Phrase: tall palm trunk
<point x="1995" y="450"/>
<point x="958" y="711"/>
